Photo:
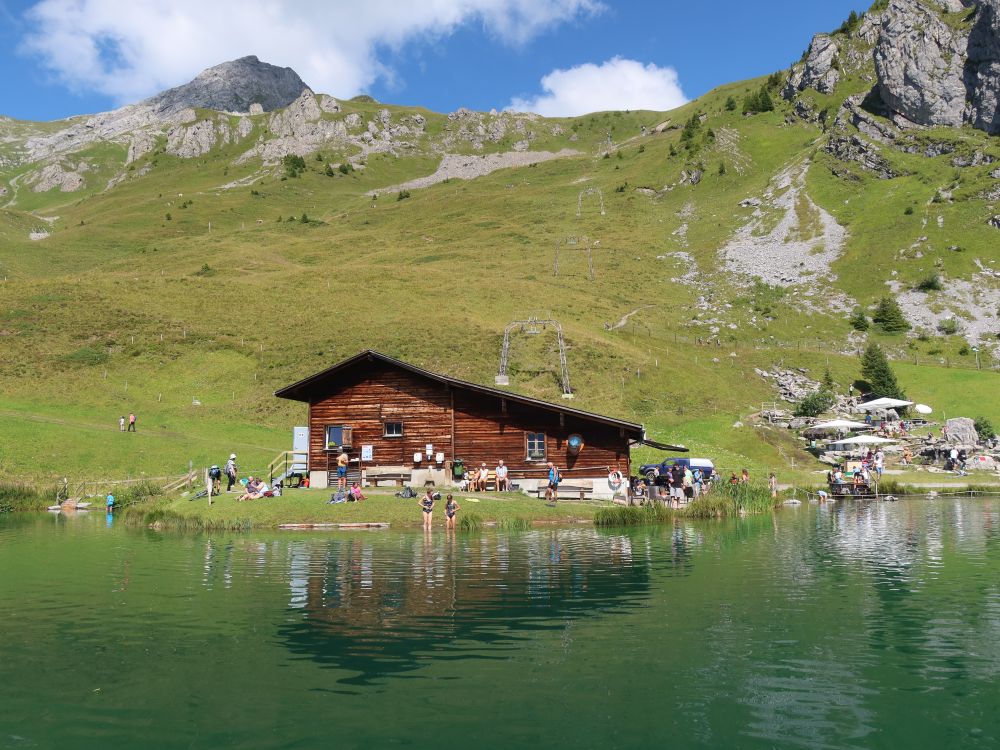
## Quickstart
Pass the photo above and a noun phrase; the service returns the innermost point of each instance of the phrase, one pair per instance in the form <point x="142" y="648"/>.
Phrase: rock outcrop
<point x="920" y="63"/>
<point x="819" y="70"/>
<point x="935" y="73"/>
<point x="67" y="179"/>
<point x="982" y="69"/>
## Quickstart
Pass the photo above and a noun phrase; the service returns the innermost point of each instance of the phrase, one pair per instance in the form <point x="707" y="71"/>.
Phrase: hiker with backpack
<point x="552" y="490"/>
<point x="231" y="472"/>
<point x="215" y="475"/>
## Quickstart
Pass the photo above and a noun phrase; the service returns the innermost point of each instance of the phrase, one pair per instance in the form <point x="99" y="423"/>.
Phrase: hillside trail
<point x="14" y="188"/>
<point x="623" y="321"/>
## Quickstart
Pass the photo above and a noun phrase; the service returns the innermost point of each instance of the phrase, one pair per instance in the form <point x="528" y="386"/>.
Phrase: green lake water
<point x="852" y="626"/>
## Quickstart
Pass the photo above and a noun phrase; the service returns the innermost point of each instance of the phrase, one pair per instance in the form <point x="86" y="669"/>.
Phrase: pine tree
<point x="828" y="383"/>
<point x="730" y="104"/>
<point x="876" y="371"/>
<point x="889" y="316"/>
<point x="858" y="320"/>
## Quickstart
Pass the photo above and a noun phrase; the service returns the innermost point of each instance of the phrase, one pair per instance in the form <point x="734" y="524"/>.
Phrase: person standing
<point x="230" y="472"/>
<point x="131" y="422"/>
<point x="552" y="490"/>
<point x="427" y="506"/>
<point x="698" y="479"/>
<point x="121" y="423"/>
<point x="879" y="463"/>
<point x="342" y="461"/>
<point x="451" y="508"/>
<point x="745" y="476"/>
<point x="772" y="483"/>
<point x="503" y="484"/>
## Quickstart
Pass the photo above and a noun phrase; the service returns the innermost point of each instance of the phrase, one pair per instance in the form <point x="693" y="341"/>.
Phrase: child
<point x="355" y="495"/>
<point x="427" y="506"/>
<point x="772" y="483"/>
<point x="451" y="508"/>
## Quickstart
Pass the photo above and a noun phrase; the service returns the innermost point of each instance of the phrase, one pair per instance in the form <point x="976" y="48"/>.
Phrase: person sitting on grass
<point x="355" y="495"/>
<point x="255" y="490"/>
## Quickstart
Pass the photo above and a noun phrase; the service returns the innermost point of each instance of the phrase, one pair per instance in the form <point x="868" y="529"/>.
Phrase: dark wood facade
<point x="376" y="396"/>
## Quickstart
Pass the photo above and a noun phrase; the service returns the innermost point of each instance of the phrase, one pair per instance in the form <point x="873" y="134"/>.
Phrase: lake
<point x="846" y="626"/>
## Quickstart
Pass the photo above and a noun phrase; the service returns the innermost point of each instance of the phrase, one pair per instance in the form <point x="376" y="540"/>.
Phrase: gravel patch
<point x="461" y="167"/>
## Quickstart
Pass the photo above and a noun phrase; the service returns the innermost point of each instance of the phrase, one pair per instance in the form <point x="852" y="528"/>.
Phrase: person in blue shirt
<point x="552" y="491"/>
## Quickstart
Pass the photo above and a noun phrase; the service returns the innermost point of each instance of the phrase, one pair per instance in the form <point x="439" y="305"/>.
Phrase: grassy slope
<point x="119" y="289"/>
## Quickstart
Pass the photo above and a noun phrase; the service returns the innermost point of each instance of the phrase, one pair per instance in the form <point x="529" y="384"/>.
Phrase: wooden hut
<point x="398" y="421"/>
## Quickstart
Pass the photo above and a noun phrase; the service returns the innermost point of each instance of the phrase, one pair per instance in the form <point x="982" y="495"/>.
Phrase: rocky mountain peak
<point x="233" y="87"/>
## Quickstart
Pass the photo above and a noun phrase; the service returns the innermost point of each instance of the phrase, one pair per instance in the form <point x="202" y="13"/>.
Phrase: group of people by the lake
<point x="679" y="484"/>
<point x="858" y="481"/>
<point x="429" y="501"/>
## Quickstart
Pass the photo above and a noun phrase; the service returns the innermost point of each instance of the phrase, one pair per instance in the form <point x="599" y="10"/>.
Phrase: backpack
<point x="407" y="493"/>
<point x="338" y="497"/>
<point x="215" y="472"/>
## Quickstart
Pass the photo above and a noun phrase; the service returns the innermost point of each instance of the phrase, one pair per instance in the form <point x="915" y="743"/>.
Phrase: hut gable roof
<point x="317" y="385"/>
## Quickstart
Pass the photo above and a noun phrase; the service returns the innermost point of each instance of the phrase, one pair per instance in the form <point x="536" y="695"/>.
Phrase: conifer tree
<point x="889" y="316"/>
<point x="875" y="369"/>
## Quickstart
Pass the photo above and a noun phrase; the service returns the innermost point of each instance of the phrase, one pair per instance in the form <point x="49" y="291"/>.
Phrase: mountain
<point x="234" y="86"/>
<point x="186" y="255"/>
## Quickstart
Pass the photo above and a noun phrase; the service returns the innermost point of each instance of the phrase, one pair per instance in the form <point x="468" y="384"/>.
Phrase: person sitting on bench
<point x="482" y="478"/>
<point x="503" y="483"/>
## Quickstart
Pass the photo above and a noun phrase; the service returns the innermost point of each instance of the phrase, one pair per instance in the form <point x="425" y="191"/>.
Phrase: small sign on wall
<point x="366" y="452"/>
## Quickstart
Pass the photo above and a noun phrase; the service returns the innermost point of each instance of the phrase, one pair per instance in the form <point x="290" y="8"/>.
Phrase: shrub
<point x="948" y="327"/>
<point x="889" y="316"/>
<point x="908" y="211"/>
<point x="329" y="171"/>
<point x="930" y="283"/>
<point x="859" y="321"/>
<point x="964" y="350"/>
<point x="403" y="195"/>
<point x="774" y="80"/>
<point x="304" y="219"/>
<point x="722" y="169"/>
<point x="87" y="355"/>
<point x="345" y="168"/>
<point x="168" y="216"/>
<point x="815" y="403"/>
<point x="730" y="104"/>
<point x="985" y="428"/>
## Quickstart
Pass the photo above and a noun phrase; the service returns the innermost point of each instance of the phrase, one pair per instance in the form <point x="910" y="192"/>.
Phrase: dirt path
<point x="624" y="319"/>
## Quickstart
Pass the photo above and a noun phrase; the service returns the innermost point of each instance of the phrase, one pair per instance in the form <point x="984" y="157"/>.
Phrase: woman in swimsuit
<point x="451" y="508"/>
<point x="427" y="506"/>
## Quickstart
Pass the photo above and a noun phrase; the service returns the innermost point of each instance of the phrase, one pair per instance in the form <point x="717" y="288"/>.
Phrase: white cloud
<point x="617" y="84"/>
<point x="129" y="49"/>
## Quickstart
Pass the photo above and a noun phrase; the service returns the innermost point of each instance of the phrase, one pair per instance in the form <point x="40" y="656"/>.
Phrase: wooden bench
<point x="585" y="490"/>
<point x="397" y="478"/>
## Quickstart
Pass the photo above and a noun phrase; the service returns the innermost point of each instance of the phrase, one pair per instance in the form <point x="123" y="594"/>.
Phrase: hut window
<point x="338" y="436"/>
<point x="535" y="446"/>
<point x="393" y="429"/>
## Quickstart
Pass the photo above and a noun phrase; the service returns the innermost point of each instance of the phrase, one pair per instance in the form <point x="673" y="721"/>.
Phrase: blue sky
<point x="65" y="57"/>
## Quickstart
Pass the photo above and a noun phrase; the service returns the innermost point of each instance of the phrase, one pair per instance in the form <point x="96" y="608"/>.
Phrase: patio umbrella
<point x="865" y="440"/>
<point x="884" y="403"/>
<point x="838" y="424"/>
<point x="922" y="409"/>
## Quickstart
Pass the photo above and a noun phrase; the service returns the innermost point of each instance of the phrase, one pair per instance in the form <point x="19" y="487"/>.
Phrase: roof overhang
<point x="661" y="446"/>
<point x="308" y="389"/>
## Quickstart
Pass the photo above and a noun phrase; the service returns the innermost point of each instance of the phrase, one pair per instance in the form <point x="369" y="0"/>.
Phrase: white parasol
<point x="884" y="403"/>
<point x="922" y="409"/>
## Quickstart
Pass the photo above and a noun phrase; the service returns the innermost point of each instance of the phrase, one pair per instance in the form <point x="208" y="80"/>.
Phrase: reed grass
<point x="634" y="515"/>
<point x="17" y="497"/>
<point x="750" y="499"/>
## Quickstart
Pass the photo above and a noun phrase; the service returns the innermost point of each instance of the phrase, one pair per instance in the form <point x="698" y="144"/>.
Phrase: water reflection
<point x="376" y="614"/>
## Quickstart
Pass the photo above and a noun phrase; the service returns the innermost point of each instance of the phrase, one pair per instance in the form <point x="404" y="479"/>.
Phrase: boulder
<point x="962" y="431"/>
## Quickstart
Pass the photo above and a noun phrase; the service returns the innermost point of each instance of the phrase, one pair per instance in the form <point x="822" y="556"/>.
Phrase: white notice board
<point x="366" y="453"/>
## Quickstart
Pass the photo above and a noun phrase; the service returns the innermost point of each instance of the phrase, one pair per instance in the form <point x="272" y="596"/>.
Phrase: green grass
<point x="113" y="313"/>
<point x="505" y="510"/>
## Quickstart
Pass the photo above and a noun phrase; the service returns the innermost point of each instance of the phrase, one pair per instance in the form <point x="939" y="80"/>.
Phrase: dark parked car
<point x="649" y="470"/>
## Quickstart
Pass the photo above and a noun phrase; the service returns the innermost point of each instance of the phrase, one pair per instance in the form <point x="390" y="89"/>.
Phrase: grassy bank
<point x="726" y="501"/>
<point x="16" y="497"/>
<point x="506" y="510"/>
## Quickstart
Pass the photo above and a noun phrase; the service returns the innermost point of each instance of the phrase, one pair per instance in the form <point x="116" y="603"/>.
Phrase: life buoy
<point x="615" y="479"/>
